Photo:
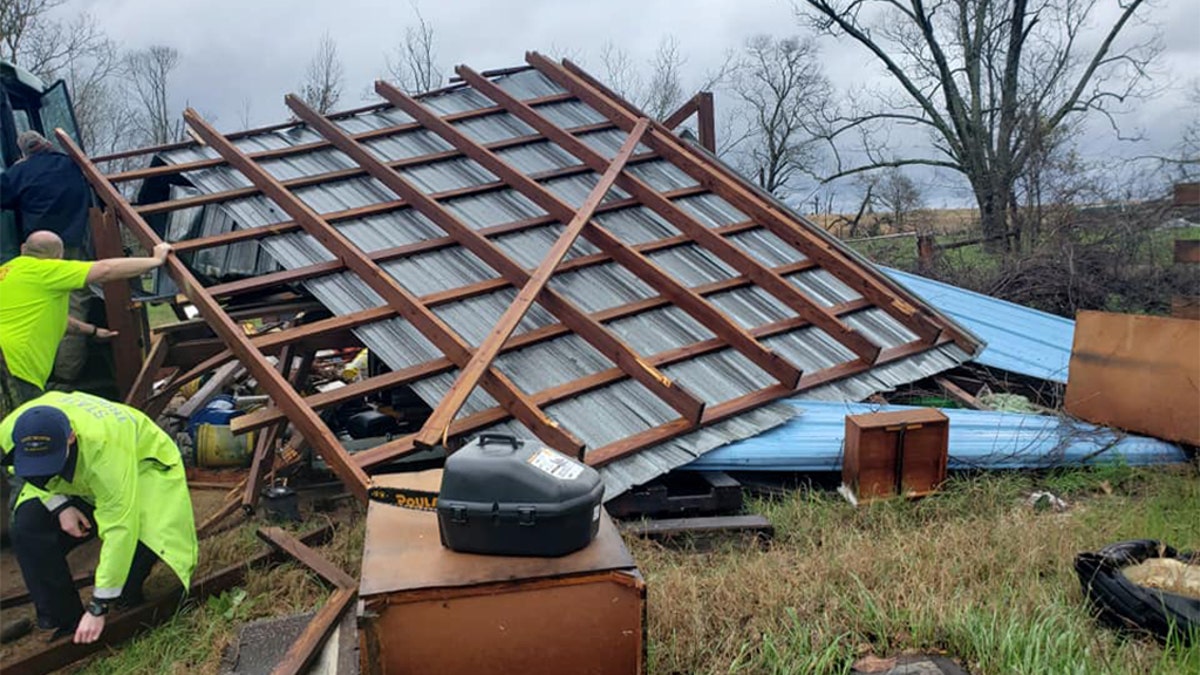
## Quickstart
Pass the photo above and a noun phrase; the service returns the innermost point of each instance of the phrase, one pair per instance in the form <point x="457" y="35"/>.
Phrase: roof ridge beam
<point x="305" y="419"/>
<point x="395" y="295"/>
<point x="633" y="261"/>
<point x="578" y="321"/>
<point x="725" y="250"/>
<point x="731" y="189"/>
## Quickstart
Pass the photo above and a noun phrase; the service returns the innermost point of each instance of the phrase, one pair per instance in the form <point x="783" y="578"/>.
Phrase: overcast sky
<point x="239" y="54"/>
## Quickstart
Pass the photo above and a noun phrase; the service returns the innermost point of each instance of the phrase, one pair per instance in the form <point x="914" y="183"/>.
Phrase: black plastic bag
<point x="1125" y="605"/>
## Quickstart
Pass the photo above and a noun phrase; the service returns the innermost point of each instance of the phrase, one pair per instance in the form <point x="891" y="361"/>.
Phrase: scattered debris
<point x="668" y="529"/>
<point x="1041" y="501"/>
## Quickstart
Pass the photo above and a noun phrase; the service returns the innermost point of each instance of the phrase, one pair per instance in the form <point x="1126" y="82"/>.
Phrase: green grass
<point x="972" y="573"/>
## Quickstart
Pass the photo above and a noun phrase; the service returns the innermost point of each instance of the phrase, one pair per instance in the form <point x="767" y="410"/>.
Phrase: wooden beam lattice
<point x="730" y="188"/>
<point x="396" y="296"/>
<point x="721" y="247"/>
<point x="601" y="338"/>
<point x="305" y="419"/>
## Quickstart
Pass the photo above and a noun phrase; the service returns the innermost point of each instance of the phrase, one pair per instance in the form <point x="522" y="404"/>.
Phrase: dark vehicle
<point x="27" y="103"/>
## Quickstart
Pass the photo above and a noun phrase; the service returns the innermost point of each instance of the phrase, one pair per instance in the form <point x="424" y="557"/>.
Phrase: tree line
<point x="995" y="90"/>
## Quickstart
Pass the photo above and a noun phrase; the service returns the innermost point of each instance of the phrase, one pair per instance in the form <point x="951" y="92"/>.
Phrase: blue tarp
<point x="812" y="441"/>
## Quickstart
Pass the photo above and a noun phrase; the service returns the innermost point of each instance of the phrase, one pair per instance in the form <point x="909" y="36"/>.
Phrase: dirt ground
<point x="82" y="559"/>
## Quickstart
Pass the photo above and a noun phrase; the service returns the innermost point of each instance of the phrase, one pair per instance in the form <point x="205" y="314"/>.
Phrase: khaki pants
<point x="73" y="349"/>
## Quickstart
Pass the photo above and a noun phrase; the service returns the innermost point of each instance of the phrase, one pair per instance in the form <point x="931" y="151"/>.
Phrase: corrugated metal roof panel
<point x="711" y="210"/>
<point x="575" y="189"/>
<point x="475" y="317"/>
<point x="719" y="376"/>
<point x="597" y="288"/>
<point x="569" y="114"/>
<point x="527" y="84"/>
<point x="493" y="208"/>
<point x="537" y="157"/>
<point x="407" y="145"/>
<point x="1019" y="339"/>
<point x="529" y="247"/>
<point x="751" y="307"/>
<point x="636" y="225"/>
<point x="492" y="128"/>
<point x="767" y="247"/>
<point x="823" y="287"/>
<point x="659" y="330"/>
<point x="692" y="265"/>
<point x="813" y="439"/>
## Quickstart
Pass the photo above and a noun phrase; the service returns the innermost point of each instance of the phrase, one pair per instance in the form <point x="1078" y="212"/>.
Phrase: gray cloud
<point x="237" y="52"/>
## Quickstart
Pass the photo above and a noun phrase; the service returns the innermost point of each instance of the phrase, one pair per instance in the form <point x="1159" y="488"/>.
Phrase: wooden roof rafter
<point x="428" y="324"/>
<point x="689" y="407"/>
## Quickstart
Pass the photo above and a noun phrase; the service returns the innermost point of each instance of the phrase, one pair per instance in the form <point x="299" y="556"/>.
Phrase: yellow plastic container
<point x="217" y="447"/>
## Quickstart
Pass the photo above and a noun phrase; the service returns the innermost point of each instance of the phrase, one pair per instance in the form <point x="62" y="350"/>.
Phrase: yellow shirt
<point x="34" y="299"/>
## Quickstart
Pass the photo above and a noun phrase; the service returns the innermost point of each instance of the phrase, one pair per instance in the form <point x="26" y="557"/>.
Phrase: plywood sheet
<point x="1138" y="373"/>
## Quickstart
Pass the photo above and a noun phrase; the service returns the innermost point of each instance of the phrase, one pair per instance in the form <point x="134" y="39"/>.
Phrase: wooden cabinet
<point x="895" y="453"/>
<point x="426" y="609"/>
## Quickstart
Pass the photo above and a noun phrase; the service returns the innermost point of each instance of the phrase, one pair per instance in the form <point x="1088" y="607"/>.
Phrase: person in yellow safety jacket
<point x="85" y="460"/>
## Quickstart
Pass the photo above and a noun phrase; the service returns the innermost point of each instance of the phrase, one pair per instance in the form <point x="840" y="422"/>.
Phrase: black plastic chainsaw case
<point x="504" y="496"/>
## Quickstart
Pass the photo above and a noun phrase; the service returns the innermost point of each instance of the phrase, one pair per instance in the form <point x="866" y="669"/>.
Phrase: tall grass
<point x="972" y="573"/>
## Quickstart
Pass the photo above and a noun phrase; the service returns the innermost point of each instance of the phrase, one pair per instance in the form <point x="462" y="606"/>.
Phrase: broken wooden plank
<point x="959" y="394"/>
<point x="674" y="527"/>
<point x="139" y="391"/>
<point x="305" y="648"/>
<point x="306" y="556"/>
<point x="438" y="424"/>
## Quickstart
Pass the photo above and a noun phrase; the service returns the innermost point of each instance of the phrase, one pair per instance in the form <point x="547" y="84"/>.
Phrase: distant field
<point x="941" y="221"/>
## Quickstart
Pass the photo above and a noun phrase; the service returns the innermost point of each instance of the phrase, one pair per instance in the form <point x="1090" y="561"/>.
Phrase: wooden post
<point x="118" y="301"/>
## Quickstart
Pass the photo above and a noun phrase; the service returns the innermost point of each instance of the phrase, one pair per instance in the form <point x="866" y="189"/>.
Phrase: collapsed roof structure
<point x="531" y="255"/>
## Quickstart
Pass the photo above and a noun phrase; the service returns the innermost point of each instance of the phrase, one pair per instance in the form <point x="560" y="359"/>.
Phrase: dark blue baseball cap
<point x="40" y="442"/>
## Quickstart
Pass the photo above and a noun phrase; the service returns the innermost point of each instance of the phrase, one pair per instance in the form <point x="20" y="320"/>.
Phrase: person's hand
<point x="74" y="523"/>
<point x="104" y="334"/>
<point x="161" y="250"/>
<point x="90" y="627"/>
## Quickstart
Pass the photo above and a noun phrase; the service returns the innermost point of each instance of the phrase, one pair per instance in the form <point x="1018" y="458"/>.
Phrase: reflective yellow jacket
<point x="132" y="472"/>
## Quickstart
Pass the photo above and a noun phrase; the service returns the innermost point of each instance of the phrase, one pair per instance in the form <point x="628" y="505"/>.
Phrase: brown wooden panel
<point x="1139" y="373"/>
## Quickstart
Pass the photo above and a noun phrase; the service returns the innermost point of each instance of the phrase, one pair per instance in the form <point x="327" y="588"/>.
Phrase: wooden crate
<point x="895" y="453"/>
<point x="427" y="609"/>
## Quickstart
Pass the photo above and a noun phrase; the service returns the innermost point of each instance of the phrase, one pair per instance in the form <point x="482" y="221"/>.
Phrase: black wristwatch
<point x="97" y="607"/>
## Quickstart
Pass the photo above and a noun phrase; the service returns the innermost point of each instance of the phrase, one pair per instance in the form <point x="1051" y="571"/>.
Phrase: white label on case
<point x="556" y="464"/>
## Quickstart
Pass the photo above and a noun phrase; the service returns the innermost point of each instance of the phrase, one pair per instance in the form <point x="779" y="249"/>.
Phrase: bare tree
<point x="779" y="85"/>
<point x="324" y="78"/>
<point x="76" y="51"/>
<point x="898" y="196"/>
<point x="413" y="66"/>
<point x="985" y="78"/>
<point x="148" y="72"/>
<point x="657" y="87"/>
